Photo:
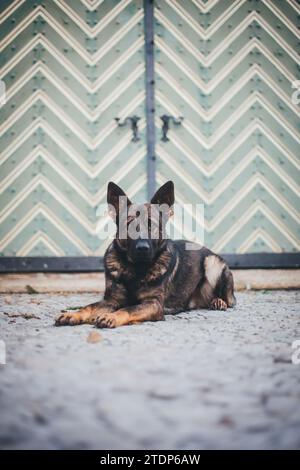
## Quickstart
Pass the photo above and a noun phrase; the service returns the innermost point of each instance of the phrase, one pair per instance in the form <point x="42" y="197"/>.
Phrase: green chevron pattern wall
<point x="71" y="67"/>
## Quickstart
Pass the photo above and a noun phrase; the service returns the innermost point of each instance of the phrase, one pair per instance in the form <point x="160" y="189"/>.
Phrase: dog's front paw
<point x="68" y="319"/>
<point x="218" y="304"/>
<point x="106" y="320"/>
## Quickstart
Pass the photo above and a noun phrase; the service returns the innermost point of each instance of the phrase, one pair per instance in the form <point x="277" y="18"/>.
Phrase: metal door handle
<point x="165" y="126"/>
<point x="133" y="121"/>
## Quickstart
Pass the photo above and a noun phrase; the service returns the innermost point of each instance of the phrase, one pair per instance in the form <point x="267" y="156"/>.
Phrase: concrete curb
<point x="247" y="279"/>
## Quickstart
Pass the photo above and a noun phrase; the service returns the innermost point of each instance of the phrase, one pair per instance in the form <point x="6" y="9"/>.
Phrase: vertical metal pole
<point x="150" y="98"/>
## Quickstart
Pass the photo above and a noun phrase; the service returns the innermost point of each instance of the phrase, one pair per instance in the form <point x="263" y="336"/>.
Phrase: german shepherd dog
<point x="150" y="276"/>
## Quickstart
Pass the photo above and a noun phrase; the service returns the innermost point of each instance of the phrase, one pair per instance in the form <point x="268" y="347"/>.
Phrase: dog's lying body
<point x="170" y="279"/>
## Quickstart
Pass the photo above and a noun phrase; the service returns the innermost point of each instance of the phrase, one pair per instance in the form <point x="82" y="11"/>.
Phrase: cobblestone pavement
<point x="201" y="380"/>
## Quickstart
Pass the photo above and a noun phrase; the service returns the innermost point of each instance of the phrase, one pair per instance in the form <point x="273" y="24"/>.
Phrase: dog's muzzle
<point x="142" y="251"/>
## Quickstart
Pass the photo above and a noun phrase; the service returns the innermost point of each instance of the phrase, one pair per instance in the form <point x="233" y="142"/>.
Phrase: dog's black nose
<point x="143" y="246"/>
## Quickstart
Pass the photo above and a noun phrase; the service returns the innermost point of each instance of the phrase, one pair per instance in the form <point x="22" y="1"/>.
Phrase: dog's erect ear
<point x="164" y="195"/>
<point x="114" y="192"/>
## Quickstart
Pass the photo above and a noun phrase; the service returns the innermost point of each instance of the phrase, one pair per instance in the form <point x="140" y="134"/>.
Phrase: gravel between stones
<point x="199" y="380"/>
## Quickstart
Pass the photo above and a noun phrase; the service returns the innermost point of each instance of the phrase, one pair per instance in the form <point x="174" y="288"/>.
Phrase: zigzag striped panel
<point x="72" y="66"/>
<point x="227" y="67"/>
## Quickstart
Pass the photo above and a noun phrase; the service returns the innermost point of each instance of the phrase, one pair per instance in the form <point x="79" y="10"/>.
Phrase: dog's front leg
<point x="150" y="310"/>
<point x="115" y="297"/>
<point x="86" y="314"/>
